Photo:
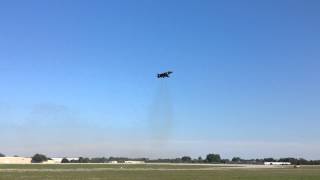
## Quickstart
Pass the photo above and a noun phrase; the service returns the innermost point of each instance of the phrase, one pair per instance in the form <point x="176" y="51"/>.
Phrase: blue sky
<point x="78" y="78"/>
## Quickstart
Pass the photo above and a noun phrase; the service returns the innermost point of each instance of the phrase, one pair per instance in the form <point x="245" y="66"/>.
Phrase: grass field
<point x="154" y="172"/>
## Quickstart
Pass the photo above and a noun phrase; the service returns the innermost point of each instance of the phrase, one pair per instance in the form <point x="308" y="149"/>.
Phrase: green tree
<point x="269" y="160"/>
<point x="186" y="159"/>
<point x="225" y="161"/>
<point x="83" y="160"/>
<point x="98" y="160"/>
<point x="2" y="155"/>
<point x="39" y="158"/>
<point x="236" y="159"/>
<point x="213" y="158"/>
<point x="65" y="160"/>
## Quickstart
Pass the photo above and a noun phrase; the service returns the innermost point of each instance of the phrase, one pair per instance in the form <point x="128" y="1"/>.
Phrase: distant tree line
<point x="210" y="158"/>
<point x="294" y="161"/>
<point x="215" y="158"/>
<point x="102" y="160"/>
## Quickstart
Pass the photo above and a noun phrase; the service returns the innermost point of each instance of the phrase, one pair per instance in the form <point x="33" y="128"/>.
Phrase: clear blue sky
<point x="78" y="78"/>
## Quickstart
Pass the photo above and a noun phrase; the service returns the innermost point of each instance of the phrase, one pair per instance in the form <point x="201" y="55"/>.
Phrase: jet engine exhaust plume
<point x="161" y="114"/>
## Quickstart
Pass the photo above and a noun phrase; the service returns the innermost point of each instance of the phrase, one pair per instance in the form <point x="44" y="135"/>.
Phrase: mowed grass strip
<point x="227" y="174"/>
<point x="151" y="172"/>
<point x="99" y="166"/>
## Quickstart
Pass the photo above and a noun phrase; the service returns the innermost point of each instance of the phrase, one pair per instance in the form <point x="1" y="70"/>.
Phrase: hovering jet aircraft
<point x="164" y="75"/>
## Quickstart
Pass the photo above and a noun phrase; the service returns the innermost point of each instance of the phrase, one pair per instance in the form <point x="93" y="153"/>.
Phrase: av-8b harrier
<point x="165" y="74"/>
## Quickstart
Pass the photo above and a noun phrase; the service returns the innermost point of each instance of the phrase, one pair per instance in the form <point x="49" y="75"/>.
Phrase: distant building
<point x="15" y="160"/>
<point x="57" y="160"/>
<point x="49" y="162"/>
<point x="277" y="163"/>
<point x="113" y="162"/>
<point x="134" y="162"/>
